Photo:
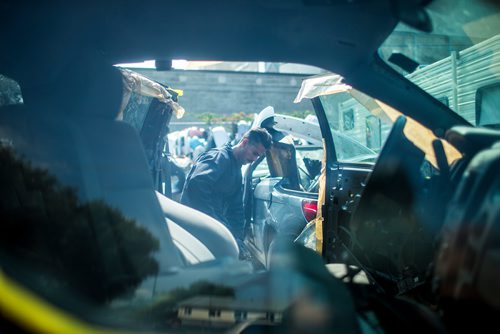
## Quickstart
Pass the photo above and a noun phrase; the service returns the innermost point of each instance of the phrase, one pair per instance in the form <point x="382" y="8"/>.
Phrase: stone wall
<point x="225" y="93"/>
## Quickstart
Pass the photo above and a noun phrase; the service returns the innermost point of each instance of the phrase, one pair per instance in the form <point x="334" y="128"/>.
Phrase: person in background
<point x="218" y="137"/>
<point x="214" y="184"/>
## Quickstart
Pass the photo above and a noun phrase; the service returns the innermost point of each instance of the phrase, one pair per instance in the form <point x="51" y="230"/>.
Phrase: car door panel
<point x="345" y="183"/>
<point x="277" y="212"/>
<point x="287" y="208"/>
<point x="262" y="200"/>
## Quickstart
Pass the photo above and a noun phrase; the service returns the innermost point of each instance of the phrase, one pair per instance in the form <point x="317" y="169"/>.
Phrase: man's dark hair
<point x="259" y="136"/>
<point x="268" y="123"/>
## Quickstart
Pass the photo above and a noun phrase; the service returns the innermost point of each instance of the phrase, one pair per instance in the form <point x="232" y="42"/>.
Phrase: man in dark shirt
<point x="214" y="183"/>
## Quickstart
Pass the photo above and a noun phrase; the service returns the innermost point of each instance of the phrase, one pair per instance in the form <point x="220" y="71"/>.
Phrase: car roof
<point x="342" y="36"/>
<point x="332" y="34"/>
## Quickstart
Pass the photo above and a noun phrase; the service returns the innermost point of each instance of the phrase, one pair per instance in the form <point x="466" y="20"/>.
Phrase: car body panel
<point x="277" y="212"/>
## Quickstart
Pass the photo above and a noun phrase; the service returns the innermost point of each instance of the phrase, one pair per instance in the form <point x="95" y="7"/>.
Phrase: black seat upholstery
<point x="69" y="130"/>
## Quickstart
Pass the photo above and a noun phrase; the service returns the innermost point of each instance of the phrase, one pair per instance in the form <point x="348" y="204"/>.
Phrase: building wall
<point x="196" y="314"/>
<point x="422" y="48"/>
<point x="472" y="69"/>
<point x="225" y="93"/>
<point x="203" y="314"/>
<point x="226" y="316"/>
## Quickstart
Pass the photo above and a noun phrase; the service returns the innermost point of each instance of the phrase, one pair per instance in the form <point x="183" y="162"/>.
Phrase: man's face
<point x="251" y="151"/>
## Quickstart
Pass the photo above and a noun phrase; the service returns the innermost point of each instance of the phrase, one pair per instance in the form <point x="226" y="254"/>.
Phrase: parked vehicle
<point x="275" y="209"/>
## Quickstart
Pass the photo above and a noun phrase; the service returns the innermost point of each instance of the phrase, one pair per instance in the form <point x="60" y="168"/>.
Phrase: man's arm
<point x="236" y="216"/>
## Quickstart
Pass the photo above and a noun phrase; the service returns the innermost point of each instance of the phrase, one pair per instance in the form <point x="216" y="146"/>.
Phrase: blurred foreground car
<point x="84" y="244"/>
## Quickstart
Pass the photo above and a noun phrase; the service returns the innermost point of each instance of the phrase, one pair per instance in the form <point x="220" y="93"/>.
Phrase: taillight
<point x="309" y="209"/>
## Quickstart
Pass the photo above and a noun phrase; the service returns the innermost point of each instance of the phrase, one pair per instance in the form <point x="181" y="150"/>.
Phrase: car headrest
<point x="470" y="140"/>
<point x="83" y="88"/>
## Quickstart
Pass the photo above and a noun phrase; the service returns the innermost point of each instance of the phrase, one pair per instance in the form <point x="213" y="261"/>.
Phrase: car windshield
<point x="357" y="133"/>
<point x="456" y="63"/>
<point x="361" y="124"/>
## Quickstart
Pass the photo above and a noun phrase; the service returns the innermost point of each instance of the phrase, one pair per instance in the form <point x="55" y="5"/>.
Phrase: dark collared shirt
<point x="214" y="186"/>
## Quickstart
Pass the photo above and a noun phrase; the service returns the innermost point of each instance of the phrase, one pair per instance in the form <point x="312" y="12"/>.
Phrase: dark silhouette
<point x="88" y="248"/>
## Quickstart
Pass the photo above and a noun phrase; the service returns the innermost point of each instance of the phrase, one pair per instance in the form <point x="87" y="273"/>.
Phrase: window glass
<point x="488" y="106"/>
<point x="351" y="132"/>
<point x="76" y="226"/>
<point x="457" y="58"/>
<point x="261" y="170"/>
<point x="309" y="164"/>
<point x="348" y="145"/>
<point x="136" y="110"/>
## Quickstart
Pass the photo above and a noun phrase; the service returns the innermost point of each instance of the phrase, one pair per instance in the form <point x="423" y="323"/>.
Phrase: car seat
<point x="71" y="132"/>
<point x="466" y="270"/>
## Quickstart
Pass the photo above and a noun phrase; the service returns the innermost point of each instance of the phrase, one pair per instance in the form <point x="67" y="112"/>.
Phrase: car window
<point x="136" y="110"/>
<point x="455" y="61"/>
<point x="261" y="170"/>
<point x="348" y="132"/>
<point x="75" y="219"/>
<point x="83" y="231"/>
<point x="309" y="165"/>
<point x="357" y="133"/>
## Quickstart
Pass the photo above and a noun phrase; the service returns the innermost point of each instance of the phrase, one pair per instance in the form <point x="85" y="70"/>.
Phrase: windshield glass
<point x="361" y="124"/>
<point x="457" y="63"/>
<point x="353" y="127"/>
<point x="81" y="223"/>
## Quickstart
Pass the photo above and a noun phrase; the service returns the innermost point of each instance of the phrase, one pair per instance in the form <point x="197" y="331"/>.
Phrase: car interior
<point x="88" y="243"/>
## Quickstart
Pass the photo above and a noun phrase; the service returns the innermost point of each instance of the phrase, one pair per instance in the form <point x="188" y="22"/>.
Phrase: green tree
<point x="236" y="117"/>
<point x="300" y="113"/>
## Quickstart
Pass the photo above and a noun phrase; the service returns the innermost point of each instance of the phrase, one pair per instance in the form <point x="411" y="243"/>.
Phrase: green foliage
<point x="207" y="117"/>
<point x="236" y="117"/>
<point x="299" y="113"/>
<point x="212" y="118"/>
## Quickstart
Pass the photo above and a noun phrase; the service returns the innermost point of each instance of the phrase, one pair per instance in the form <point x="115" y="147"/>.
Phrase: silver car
<point x="277" y="209"/>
